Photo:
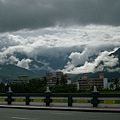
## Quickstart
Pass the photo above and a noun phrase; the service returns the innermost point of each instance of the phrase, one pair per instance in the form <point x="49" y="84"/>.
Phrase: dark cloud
<point x="33" y="14"/>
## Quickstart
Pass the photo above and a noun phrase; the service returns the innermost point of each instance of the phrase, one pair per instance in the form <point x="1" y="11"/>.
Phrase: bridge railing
<point x="57" y="99"/>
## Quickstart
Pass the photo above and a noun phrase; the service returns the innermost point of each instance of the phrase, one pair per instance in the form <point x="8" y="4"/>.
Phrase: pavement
<point x="84" y="109"/>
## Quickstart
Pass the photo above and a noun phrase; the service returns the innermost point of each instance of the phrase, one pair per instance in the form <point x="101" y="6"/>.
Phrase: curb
<point x="115" y="110"/>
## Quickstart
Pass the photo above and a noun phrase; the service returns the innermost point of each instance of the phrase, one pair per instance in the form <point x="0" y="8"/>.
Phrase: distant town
<point x="60" y="82"/>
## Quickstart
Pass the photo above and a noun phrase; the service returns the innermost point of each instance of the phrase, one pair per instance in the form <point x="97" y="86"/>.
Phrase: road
<point x="22" y="114"/>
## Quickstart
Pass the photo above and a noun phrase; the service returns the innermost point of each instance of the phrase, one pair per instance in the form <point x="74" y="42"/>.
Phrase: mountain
<point x="117" y="54"/>
<point x="42" y="64"/>
<point x="116" y="68"/>
<point x="12" y="71"/>
<point x="107" y="74"/>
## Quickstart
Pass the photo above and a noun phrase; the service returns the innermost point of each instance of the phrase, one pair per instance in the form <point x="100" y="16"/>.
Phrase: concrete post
<point x="95" y="94"/>
<point x="70" y="100"/>
<point x="47" y="100"/>
<point x="27" y="100"/>
<point x="9" y="96"/>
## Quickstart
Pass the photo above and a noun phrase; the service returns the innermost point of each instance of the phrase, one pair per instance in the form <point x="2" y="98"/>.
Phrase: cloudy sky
<point x="55" y="28"/>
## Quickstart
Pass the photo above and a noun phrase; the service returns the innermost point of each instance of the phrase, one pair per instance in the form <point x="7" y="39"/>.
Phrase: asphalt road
<point x="23" y="114"/>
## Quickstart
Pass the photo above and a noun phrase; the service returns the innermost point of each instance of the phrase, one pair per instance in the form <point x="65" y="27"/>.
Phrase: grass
<point x="110" y="92"/>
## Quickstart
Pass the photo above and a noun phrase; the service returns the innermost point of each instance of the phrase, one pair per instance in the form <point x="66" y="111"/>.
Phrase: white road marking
<point x="20" y="118"/>
<point x="58" y="113"/>
<point x="61" y="113"/>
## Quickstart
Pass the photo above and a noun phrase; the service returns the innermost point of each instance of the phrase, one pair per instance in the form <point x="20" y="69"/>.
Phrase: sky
<point x="54" y="28"/>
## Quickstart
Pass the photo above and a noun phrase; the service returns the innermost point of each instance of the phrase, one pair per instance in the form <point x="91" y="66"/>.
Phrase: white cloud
<point x="80" y="42"/>
<point x="13" y="60"/>
<point x="109" y="61"/>
<point x="113" y="69"/>
<point x="24" y="63"/>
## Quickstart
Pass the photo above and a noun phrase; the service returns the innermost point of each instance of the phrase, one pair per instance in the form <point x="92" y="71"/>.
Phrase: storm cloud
<point x="35" y="14"/>
<point x="77" y="44"/>
<point x="73" y="30"/>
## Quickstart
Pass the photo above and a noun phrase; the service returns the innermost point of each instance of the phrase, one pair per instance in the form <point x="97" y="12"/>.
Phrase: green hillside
<point x="12" y="71"/>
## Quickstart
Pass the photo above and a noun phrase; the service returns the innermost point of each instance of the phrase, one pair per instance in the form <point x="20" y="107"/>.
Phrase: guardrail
<point x="48" y="98"/>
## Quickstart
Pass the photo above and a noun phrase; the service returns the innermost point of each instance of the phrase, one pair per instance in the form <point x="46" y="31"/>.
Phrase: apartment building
<point x="49" y="75"/>
<point x="86" y="83"/>
<point x="52" y="80"/>
<point x="59" y="75"/>
<point x="20" y="79"/>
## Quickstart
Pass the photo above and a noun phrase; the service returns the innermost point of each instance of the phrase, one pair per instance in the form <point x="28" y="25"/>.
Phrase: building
<point x="54" y="80"/>
<point x="59" y="75"/>
<point x="68" y="80"/>
<point x="21" y="79"/>
<point x="49" y="76"/>
<point x="86" y="83"/>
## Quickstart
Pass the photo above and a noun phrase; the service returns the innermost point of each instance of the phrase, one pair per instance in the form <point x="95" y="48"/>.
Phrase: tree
<point x="63" y="80"/>
<point x="116" y="83"/>
<point x="111" y="86"/>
